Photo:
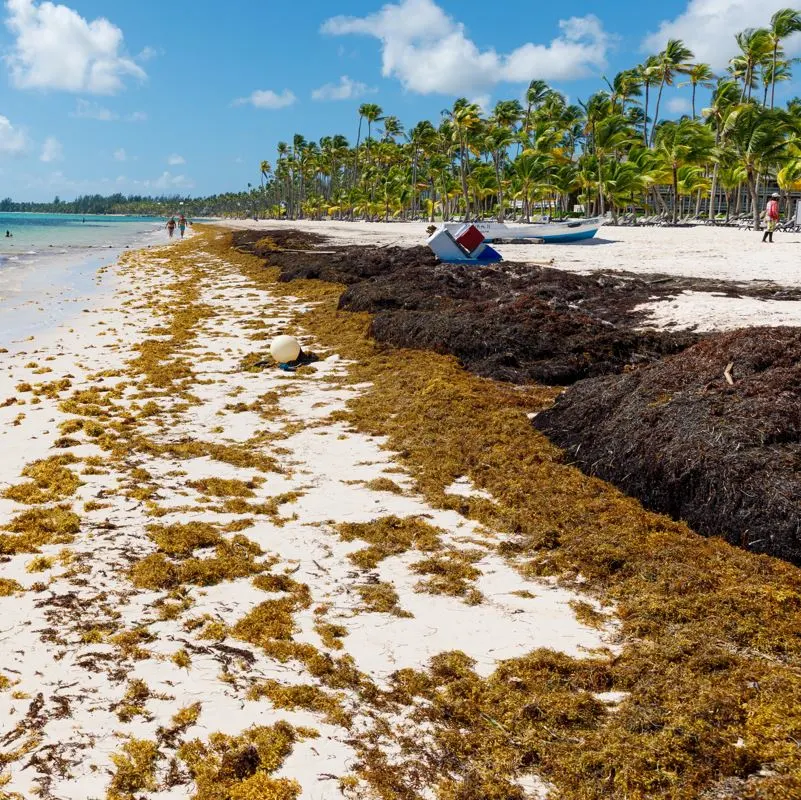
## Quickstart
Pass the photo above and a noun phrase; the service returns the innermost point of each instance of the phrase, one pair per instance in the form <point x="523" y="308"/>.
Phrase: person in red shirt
<point x="771" y="217"/>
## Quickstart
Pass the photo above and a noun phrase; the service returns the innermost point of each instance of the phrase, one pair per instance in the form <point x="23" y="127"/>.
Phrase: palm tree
<point x="265" y="169"/>
<point x="530" y="172"/>
<point x="464" y="117"/>
<point x="507" y="113"/>
<point x="760" y="139"/>
<point x="620" y="182"/>
<point x="372" y="113"/>
<point x="363" y="109"/>
<point x="731" y="177"/>
<point x="612" y="133"/>
<point x="783" y="23"/>
<point x="499" y="140"/>
<point x="420" y="138"/>
<point x="699" y="75"/>
<point x="683" y="143"/>
<point x="392" y="128"/>
<point x="773" y="74"/>
<point x="624" y="85"/>
<point x="535" y="96"/>
<point x="755" y="46"/>
<point x="674" y="58"/>
<point x="646" y="75"/>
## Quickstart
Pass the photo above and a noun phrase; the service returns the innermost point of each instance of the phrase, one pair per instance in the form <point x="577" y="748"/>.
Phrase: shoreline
<point x="47" y="287"/>
<point x="257" y="553"/>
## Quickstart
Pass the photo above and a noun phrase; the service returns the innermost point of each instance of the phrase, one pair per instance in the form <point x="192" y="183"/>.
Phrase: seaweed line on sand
<point x="712" y="634"/>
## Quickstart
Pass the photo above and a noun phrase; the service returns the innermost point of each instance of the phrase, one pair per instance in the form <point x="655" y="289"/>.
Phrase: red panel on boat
<point x="471" y="238"/>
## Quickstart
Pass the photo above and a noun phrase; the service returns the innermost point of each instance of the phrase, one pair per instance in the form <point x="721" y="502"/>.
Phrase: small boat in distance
<point x="548" y="232"/>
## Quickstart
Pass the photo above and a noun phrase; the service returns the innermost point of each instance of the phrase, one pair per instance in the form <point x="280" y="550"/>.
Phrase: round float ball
<point x="285" y="349"/>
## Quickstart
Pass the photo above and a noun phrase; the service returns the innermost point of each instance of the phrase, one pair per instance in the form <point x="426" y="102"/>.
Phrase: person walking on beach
<point x="171" y="226"/>
<point x="771" y="218"/>
<point x="182" y="225"/>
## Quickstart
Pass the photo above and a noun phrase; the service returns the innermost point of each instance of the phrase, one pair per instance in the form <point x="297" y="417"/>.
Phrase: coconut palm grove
<point x="613" y="152"/>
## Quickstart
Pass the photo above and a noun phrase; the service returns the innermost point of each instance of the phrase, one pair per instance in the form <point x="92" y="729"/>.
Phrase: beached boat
<point x="573" y="231"/>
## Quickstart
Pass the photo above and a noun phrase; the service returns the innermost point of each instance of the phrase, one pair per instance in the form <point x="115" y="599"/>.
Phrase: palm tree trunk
<point x="656" y="110"/>
<point x="713" y="193"/>
<point x="500" y="188"/>
<point x="601" y="205"/>
<point x="773" y="75"/>
<point x="414" y="185"/>
<point x="675" y="194"/>
<point x="645" y="121"/>
<point x="465" y="192"/>
<point x="752" y="190"/>
<point x="695" y="86"/>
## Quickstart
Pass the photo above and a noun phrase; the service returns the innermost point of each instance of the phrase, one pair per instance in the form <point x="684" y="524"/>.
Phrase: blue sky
<point x="101" y="97"/>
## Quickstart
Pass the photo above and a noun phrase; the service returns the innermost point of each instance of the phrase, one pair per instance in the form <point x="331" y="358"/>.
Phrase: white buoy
<point x="285" y="349"/>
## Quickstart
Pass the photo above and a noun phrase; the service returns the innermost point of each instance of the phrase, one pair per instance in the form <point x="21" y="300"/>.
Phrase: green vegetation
<point x="613" y="152"/>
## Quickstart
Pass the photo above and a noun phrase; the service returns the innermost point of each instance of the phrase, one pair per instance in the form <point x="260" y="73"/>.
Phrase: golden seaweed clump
<point x="389" y="536"/>
<point x="133" y="702"/>
<point x="308" y="697"/>
<point x="224" y="487"/>
<point x="331" y="634"/>
<point x="135" y="769"/>
<point x="181" y="540"/>
<point x="231" y="560"/>
<point x="450" y="573"/>
<point x="381" y="597"/>
<point x="40" y="564"/>
<point x="9" y="587"/>
<point x="240" y="767"/>
<point x="269" y="620"/>
<point x="39" y="526"/>
<point x="50" y="481"/>
<point x="283" y="583"/>
<point x="383" y="485"/>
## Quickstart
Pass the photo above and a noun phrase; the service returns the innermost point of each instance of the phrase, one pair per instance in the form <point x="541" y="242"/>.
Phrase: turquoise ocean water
<point x="49" y="264"/>
<point x="36" y="234"/>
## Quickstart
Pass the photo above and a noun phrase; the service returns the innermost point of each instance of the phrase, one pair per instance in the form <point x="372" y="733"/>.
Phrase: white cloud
<point x="89" y="110"/>
<point x="708" y="27"/>
<point x="429" y="52"/>
<point x="267" y="98"/>
<point x="147" y="53"/>
<point x="137" y="116"/>
<point x="51" y="150"/>
<point x="120" y="155"/>
<point x="56" y="48"/>
<point x="174" y="160"/>
<point x="12" y="140"/>
<point x="167" y="181"/>
<point x="346" y="89"/>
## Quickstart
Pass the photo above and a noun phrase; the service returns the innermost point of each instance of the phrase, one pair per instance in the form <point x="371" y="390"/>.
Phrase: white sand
<point x="699" y="252"/>
<point x="60" y="709"/>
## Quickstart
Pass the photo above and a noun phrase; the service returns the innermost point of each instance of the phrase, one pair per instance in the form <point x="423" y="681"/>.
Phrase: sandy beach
<point x="94" y="662"/>
<point x="208" y="559"/>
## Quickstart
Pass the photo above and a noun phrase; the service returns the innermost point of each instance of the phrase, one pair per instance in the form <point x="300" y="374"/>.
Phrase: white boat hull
<point x="572" y="231"/>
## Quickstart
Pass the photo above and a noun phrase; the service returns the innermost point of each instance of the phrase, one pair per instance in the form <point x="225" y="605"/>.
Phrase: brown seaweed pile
<point x="512" y="322"/>
<point x="711" y="436"/>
